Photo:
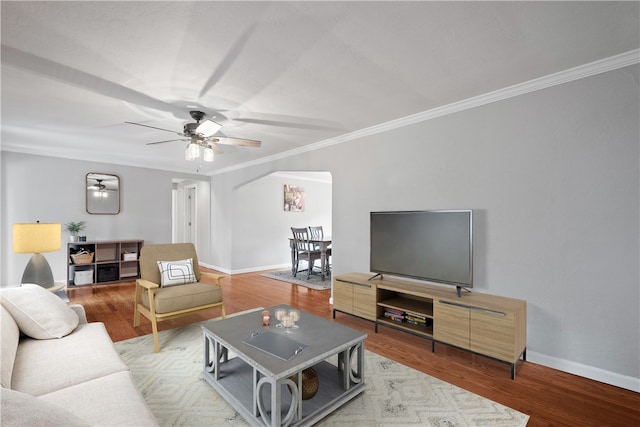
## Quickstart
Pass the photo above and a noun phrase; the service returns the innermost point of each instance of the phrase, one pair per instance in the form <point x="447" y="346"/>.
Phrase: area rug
<point x="396" y="395"/>
<point x="313" y="282"/>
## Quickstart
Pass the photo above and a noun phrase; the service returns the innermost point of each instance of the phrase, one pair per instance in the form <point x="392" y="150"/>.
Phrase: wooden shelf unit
<point x="108" y="264"/>
<point x="489" y="325"/>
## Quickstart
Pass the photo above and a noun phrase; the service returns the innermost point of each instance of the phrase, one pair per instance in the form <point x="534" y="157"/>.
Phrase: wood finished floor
<point x="548" y="396"/>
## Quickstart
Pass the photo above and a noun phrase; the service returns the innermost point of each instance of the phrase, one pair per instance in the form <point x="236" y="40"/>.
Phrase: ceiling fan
<point x="99" y="188"/>
<point x="99" y="184"/>
<point x="201" y="134"/>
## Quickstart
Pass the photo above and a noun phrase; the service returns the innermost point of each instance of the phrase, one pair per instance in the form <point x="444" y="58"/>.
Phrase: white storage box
<point x="83" y="277"/>
<point x="129" y="256"/>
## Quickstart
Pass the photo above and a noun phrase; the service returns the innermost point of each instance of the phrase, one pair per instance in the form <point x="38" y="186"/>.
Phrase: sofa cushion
<point x="112" y="400"/>
<point x="20" y="409"/>
<point x="43" y="366"/>
<point x="9" y="337"/>
<point x="183" y="297"/>
<point x="174" y="273"/>
<point x="38" y="312"/>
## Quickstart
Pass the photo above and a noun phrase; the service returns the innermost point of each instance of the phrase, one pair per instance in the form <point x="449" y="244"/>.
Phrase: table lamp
<point x="36" y="238"/>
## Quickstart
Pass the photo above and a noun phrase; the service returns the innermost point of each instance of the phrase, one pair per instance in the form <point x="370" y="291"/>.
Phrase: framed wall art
<point x="294" y="198"/>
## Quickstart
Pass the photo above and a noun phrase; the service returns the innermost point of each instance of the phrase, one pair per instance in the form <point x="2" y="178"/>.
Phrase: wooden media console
<point x="485" y="324"/>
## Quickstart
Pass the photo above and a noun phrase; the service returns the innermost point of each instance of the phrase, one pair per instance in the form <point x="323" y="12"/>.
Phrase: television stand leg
<point x="459" y="291"/>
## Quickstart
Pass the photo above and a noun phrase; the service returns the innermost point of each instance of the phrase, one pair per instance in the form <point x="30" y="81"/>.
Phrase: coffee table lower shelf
<point x="235" y="385"/>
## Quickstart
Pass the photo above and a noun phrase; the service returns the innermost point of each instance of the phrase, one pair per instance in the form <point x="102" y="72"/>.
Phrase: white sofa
<point x="57" y="369"/>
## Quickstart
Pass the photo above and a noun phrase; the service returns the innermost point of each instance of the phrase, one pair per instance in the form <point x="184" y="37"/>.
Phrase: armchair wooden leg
<point x="136" y="316"/>
<point x="154" y="320"/>
<point x="154" y="327"/>
<point x="136" y="313"/>
<point x="224" y="314"/>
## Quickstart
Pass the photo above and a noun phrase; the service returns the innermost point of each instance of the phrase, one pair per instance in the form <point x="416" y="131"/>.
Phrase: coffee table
<point x="256" y="382"/>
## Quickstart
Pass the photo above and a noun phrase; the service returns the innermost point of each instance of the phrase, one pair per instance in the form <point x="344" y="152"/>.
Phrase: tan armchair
<point x="158" y="303"/>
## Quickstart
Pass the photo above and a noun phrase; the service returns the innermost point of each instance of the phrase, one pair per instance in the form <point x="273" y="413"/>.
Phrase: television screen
<point x="429" y="245"/>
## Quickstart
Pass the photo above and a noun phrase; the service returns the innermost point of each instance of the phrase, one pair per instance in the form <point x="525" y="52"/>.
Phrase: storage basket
<point x="83" y="257"/>
<point x="83" y="277"/>
<point x="310" y="383"/>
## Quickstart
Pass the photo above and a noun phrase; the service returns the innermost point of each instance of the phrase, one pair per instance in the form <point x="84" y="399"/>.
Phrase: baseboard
<point x="245" y="270"/>
<point x="591" y="372"/>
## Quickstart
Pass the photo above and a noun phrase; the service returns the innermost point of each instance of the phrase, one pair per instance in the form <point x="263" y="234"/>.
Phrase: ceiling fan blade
<point x="208" y="128"/>
<point x="59" y="72"/>
<point x="168" y="140"/>
<point x="153" y="127"/>
<point x="293" y="122"/>
<point x="216" y="149"/>
<point x="227" y="140"/>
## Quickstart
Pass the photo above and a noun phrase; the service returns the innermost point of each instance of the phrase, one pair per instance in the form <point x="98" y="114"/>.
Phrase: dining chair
<point x="316" y="232"/>
<point x="303" y="250"/>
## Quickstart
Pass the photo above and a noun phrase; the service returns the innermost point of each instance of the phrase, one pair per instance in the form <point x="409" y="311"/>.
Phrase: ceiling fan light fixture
<point x="208" y="154"/>
<point x="192" y="152"/>
<point x="208" y="128"/>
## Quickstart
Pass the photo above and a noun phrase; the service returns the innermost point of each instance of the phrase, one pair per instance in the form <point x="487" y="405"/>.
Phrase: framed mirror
<point x="103" y="193"/>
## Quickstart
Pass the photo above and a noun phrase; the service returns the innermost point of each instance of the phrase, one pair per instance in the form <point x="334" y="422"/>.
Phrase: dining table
<point x="322" y="244"/>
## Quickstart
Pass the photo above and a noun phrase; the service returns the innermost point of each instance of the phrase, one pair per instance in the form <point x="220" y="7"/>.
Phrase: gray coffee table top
<point x="322" y="337"/>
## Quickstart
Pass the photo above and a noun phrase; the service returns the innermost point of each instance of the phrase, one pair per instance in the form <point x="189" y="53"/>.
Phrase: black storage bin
<point x="108" y="273"/>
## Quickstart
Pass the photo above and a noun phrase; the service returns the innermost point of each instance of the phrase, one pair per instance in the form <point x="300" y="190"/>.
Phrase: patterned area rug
<point x="313" y="282"/>
<point x="396" y="395"/>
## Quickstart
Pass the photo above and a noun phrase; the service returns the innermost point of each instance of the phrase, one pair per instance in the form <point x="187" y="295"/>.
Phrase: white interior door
<point x="190" y="215"/>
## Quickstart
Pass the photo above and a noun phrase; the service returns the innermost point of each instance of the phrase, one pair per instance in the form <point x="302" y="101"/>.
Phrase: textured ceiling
<point x="287" y="73"/>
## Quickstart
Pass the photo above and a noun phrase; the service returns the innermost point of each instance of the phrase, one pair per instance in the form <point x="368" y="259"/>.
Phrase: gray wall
<point x="52" y="189"/>
<point x="262" y="227"/>
<point x="553" y="177"/>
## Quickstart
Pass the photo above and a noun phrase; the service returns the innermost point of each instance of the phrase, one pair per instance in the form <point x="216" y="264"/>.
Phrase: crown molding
<point x="572" y="74"/>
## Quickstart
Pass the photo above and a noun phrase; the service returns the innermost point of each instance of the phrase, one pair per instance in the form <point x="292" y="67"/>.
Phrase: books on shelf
<point x="397" y="315"/>
<point x="417" y="319"/>
<point x="394" y="314"/>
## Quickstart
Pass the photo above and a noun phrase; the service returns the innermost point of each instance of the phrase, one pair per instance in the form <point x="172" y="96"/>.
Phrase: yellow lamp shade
<point x="35" y="238"/>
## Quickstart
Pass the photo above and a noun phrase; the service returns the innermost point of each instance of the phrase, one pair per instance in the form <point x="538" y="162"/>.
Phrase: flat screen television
<point x="434" y="245"/>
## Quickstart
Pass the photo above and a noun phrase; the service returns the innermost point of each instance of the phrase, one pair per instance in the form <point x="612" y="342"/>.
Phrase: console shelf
<point x="489" y="325"/>
<point x="419" y="307"/>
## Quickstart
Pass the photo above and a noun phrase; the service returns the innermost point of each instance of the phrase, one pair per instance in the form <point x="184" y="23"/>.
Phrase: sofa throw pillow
<point x="176" y="272"/>
<point x="38" y="312"/>
<point x="20" y="409"/>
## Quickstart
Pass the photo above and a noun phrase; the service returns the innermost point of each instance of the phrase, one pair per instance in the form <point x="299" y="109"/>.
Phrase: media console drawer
<point x="353" y="295"/>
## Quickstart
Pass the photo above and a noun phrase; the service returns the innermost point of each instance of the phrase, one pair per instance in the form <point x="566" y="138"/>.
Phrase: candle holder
<point x="280" y="313"/>
<point x="287" y="322"/>
<point x="295" y="316"/>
